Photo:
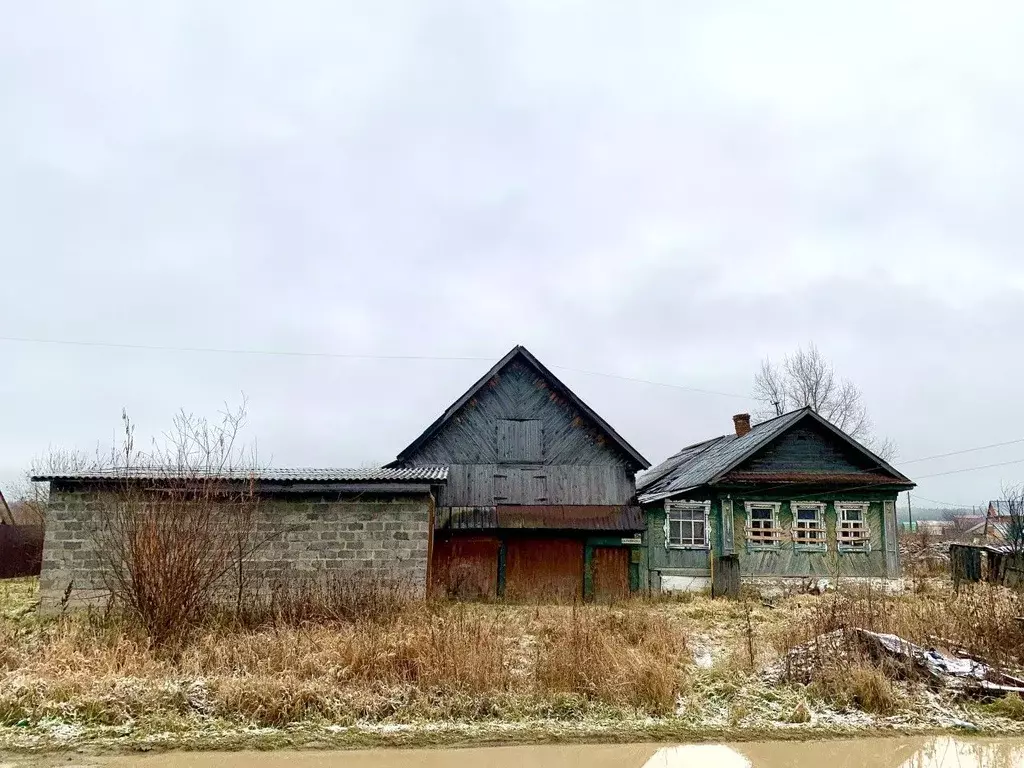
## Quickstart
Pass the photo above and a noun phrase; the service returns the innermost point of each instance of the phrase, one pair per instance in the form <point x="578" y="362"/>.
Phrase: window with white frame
<point x="686" y="525"/>
<point x="763" y="523"/>
<point x="809" y="524"/>
<point x="852" y="530"/>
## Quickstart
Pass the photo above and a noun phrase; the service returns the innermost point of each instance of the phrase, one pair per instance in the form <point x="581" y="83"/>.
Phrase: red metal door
<point x="465" y="567"/>
<point x="544" y="569"/>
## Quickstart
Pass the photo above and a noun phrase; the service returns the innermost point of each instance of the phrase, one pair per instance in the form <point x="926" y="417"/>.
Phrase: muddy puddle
<point x="861" y="753"/>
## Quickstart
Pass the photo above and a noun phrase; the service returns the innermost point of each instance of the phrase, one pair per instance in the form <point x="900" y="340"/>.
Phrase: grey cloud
<point x="668" y="191"/>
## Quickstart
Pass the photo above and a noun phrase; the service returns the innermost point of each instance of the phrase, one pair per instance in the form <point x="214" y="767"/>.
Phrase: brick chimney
<point x="742" y="423"/>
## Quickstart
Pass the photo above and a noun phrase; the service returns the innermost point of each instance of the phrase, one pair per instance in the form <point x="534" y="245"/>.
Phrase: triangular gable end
<point x="520" y="353"/>
<point x="811" y="444"/>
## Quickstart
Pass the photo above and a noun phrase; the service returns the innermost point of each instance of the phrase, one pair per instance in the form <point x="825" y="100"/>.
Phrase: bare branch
<point x="1013" y="500"/>
<point x="807" y="379"/>
<point x="769" y="388"/>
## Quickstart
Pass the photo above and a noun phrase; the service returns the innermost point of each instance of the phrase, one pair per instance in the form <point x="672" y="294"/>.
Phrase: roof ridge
<point x="521" y="351"/>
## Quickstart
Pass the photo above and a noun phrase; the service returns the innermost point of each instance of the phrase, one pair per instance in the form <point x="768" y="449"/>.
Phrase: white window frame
<point x="819" y="544"/>
<point x="843" y="544"/>
<point x="688" y="506"/>
<point x="776" y="536"/>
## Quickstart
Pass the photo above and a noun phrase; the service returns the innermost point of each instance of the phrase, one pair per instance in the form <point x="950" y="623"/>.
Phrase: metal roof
<point x="563" y="517"/>
<point x="707" y="462"/>
<point x="282" y="475"/>
<point x="697" y="465"/>
<point x="556" y="384"/>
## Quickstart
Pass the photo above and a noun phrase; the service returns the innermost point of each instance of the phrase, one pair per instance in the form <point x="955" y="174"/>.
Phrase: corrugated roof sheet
<point x="697" y="465"/>
<point x="564" y="517"/>
<point x="282" y="475"/>
<point x="807" y="477"/>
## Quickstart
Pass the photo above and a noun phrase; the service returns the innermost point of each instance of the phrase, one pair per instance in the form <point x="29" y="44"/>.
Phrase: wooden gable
<point x="810" y="448"/>
<point x="518" y="417"/>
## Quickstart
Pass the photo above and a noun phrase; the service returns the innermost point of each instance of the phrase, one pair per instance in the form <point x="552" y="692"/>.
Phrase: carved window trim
<point x="763" y="533"/>
<point x="688" y="509"/>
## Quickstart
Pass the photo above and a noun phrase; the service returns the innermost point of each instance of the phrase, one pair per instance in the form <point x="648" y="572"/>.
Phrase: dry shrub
<point x="324" y="598"/>
<point x="979" y="621"/>
<point x="310" y="653"/>
<point x="800" y="714"/>
<point x="862" y="686"/>
<point x="1010" y="706"/>
<point x="620" y="658"/>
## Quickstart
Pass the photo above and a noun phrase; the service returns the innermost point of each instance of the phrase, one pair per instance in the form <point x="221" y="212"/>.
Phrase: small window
<point x="809" y="525"/>
<point x="686" y="525"/>
<point x="853" y="534"/>
<point x="763" y="524"/>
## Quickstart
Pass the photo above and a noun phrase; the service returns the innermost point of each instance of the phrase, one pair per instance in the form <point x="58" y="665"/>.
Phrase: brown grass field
<point x="334" y="665"/>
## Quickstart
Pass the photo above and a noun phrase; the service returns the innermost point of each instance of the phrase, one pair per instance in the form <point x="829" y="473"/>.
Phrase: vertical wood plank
<point x="892" y="553"/>
<point x="728" y="532"/>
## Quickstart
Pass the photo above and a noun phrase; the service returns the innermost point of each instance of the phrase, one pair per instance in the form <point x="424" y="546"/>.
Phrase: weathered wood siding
<point x="679" y="562"/>
<point x="520" y="394"/>
<point x="785" y="561"/>
<point x="519" y="442"/>
<point x="808" y="447"/>
<point x="610" y="567"/>
<point x="475" y="485"/>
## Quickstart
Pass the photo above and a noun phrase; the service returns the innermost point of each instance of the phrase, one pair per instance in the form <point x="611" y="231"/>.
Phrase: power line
<point x="944" y="503"/>
<point x="972" y="469"/>
<point x="226" y="351"/>
<point x="965" y="450"/>
<point x="347" y="356"/>
<point x="651" y="383"/>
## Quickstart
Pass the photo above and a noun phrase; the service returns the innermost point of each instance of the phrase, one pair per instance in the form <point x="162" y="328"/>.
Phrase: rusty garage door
<point x="544" y="569"/>
<point x="610" y="570"/>
<point x="465" y="567"/>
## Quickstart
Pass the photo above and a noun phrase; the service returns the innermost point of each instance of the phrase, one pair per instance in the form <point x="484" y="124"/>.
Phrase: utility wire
<point x="348" y="356"/>
<point x="965" y="450"/>
<point x="944" y="503"/>
<point x="971" y="469"/>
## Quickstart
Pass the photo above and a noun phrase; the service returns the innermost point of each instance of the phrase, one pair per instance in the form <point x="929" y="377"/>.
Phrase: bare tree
<point x="1012" y="529"/>
<point x="30" y="498"/>
<point x="176" y="524"/>
<point x="807" y="379"/>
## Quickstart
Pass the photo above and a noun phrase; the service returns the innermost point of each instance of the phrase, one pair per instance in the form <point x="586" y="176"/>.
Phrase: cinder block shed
<point x="376" y="522"/>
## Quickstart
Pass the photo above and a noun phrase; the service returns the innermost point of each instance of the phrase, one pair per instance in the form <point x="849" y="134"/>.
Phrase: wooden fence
<point x="21" y="550"/>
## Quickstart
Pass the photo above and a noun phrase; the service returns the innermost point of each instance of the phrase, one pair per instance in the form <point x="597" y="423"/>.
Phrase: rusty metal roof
<point x="864" y="478"/>
<point x="282" y="475"/>
<point x="564" y="517"/>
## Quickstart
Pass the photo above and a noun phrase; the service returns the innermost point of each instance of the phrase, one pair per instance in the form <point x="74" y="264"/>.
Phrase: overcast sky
<point x="666" y="191"/>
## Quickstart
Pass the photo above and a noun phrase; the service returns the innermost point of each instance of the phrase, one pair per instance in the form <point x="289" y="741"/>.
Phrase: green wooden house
<point x="793" y="496"/>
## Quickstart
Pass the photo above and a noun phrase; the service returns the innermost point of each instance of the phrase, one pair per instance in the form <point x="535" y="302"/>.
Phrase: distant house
<point x="793" y="496"/>
<point x="995" y="527"/>
<point x="998" y="508"/>
<point x="541" y="498"/>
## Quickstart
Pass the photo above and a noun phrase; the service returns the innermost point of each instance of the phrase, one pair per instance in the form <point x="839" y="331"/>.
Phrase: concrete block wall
<point x="385" y="537"/>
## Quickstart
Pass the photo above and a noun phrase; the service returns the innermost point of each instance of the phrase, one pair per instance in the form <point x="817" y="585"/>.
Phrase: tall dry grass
<point x="341" y="657"/>
<point x="847" y="671"/>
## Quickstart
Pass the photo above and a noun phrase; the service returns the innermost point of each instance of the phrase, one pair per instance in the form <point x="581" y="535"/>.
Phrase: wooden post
<point x="725" y="581"/>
